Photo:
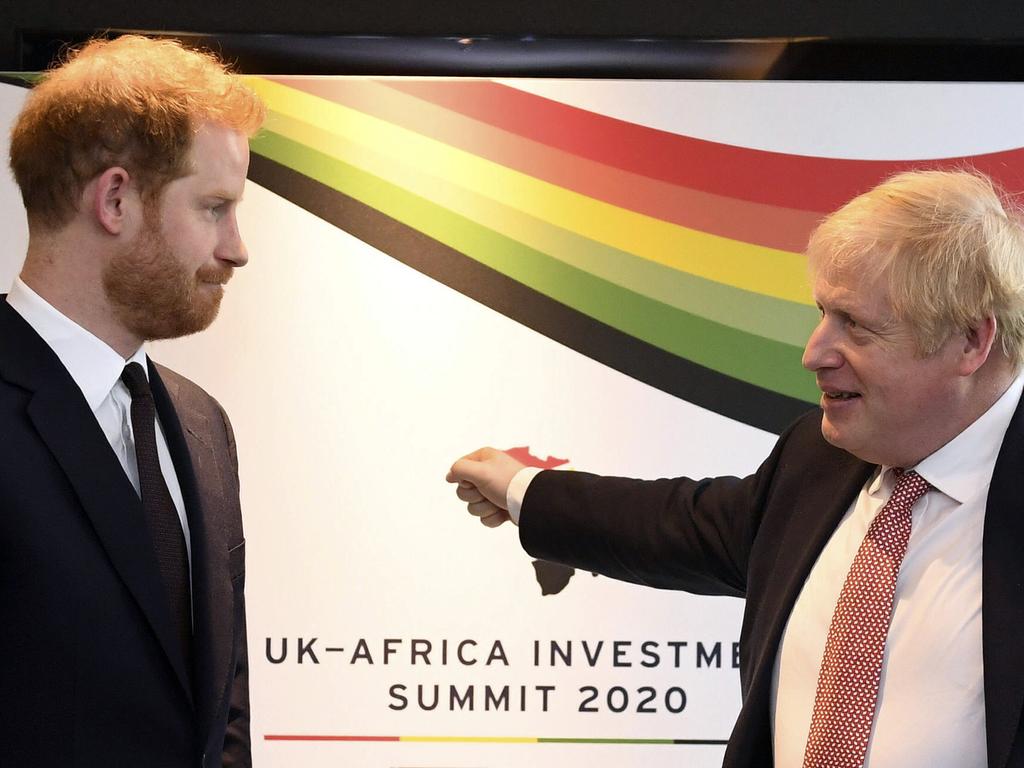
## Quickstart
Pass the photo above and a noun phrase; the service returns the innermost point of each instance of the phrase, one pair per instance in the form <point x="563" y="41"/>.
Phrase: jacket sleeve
<point x="237" y="745"/>
<point x="676" y="533"/>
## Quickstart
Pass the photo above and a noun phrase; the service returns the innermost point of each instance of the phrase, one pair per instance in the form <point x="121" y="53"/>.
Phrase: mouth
<point x="840" y="395"/>
<point x="830" y="393"/>
<point x="214" y="276"/>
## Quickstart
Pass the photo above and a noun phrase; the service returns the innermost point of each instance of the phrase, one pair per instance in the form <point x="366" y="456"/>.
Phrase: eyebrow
<point x="223" y="196"/>
<point x="861" y="315"/>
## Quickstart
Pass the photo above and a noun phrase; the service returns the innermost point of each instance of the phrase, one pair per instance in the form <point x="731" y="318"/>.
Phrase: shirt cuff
<point x="517" y="491"/>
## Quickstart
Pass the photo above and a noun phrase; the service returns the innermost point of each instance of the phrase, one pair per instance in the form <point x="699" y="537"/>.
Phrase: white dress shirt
<point x="931" y="698"/>
<point x="931" y="704"/>
<point x="96" y="369"/>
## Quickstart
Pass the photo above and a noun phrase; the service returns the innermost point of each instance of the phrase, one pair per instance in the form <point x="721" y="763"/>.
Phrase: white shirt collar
<point x="94" y="365"/>
<point x="965" y="464"/>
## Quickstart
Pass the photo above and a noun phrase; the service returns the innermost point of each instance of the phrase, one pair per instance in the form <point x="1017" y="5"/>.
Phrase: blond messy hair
<point x="950" y="245"/>
<point x="132" y="102"/>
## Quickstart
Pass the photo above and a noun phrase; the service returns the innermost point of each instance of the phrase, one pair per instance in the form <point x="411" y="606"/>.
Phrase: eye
<point x="216" y="208"/>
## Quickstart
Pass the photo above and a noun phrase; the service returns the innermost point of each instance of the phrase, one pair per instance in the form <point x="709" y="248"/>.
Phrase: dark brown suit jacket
<point x="757" y="538"/>
<point x="91" y="674"/>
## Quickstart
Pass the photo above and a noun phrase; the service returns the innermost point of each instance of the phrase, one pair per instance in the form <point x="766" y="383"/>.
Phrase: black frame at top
<point x="655" y="58"/>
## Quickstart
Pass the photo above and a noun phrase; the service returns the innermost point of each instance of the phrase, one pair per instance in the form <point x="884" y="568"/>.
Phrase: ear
<point x="977" y="345"/>
<point x="111" y="199"/>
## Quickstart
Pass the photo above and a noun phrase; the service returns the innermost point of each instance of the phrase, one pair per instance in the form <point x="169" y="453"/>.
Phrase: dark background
<point x="880" y="20"/>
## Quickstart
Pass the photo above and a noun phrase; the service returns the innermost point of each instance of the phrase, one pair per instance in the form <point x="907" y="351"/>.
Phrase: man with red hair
<point x="122" y="565"/>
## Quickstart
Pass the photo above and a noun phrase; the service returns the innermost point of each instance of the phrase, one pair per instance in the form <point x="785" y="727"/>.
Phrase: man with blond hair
<point x="868" y="541"/>
<point x="122" y="615"/>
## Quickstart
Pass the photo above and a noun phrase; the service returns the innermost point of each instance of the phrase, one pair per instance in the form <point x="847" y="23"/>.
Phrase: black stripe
<point x="20" y="82"/>
<point x="677" y="376"/>
<point x="617" y="55"/>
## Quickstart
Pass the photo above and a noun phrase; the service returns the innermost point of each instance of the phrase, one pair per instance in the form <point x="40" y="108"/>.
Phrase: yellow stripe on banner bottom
<point x="473" y="739"/>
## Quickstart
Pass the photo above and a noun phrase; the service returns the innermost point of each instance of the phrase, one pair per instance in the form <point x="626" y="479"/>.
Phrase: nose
<point x="230" y="247"/>
<point x="821" y="350"/>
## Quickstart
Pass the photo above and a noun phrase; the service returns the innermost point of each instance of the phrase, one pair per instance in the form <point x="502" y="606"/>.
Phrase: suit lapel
<point x="197" y="464"/>
<point x="807" y="533"/>
<point x="811" y="521"/>
<point x="1003" y="596"/>
<point x="69" y="429"/>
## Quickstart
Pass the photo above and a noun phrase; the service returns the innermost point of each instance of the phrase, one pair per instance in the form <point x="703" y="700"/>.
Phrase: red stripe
<point x="774" y="227"/>
<point x="773" y="178"/>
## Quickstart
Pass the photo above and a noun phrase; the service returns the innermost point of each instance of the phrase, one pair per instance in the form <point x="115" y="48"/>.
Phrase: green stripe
<point x="605" y="741"/>
<point x="769" y="364"/>
<point x="754" y="313"/>
<point x="29" y="78"/>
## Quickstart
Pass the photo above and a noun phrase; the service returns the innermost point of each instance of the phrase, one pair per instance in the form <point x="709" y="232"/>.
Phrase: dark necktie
<point x="847" y="694"/>
<point x="161" y="515"/>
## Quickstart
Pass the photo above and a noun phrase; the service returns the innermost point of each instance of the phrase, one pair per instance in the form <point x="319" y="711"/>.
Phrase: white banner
<point x="382" y="618"/>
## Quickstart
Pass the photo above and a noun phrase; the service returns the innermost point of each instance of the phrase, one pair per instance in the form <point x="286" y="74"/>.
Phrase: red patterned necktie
<point x="844" y="704"/>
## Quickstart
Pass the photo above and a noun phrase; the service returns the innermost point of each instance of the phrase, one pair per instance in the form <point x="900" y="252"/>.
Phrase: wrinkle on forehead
<point x="219" y="156"/>
<point x="851" y="288"/>
<point x="865" y="260"/>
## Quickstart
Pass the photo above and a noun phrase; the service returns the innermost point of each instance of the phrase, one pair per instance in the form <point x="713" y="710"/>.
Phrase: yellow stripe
<point x="750" y="267"/>
<point x="616" y="267"/>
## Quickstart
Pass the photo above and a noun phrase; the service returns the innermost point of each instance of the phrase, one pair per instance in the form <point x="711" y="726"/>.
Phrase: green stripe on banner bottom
<point x="683" y="742"/>
<point x="762" y="362"/>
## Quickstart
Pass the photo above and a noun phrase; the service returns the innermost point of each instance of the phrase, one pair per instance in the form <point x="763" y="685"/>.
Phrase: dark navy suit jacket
<point x="758" y="538"/>
<point x="91" y="674"/>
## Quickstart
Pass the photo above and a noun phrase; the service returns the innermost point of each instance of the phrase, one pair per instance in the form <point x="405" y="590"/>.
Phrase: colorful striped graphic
<point x="681" y="245"/>
<point x="491" y="740"/>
